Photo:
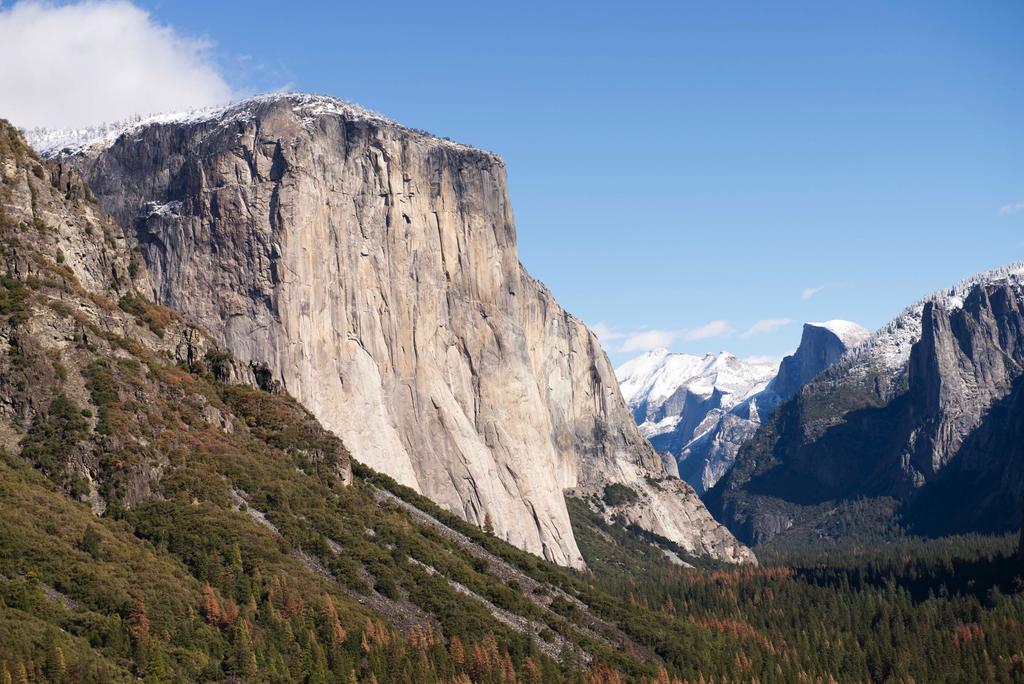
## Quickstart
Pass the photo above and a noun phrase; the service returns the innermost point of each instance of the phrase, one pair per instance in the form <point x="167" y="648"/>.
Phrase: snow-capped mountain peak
<point x="658" y="375"/>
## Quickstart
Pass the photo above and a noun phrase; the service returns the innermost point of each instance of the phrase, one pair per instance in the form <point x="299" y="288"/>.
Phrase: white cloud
<point x="646" y="340"/>
<point x="605" y="333"/>
<point x="763" y="359"/>
<point x="810" y="292"/>
<point x="98" y="61"/>
<point x="712" y="329"/>
<point x="767" y="325"/>
<point x="1011" y="208"/>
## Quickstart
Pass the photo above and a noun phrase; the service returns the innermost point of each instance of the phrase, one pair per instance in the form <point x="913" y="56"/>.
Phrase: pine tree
<point x="457" y="652"/>
<point x="139" y="619"/>
<point x="230" y="612"/>
<point x="211" y="606"/>
<point x="319" y="673"/>
<point x="56" y="668"/>
<point x="243" y="657"/>
<point x="337" y="632"/>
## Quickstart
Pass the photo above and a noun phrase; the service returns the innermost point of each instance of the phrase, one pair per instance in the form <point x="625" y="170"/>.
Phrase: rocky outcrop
<point x="934" y="427"/>
<point x="52" y="200"/>
<point x="372" y="271"/>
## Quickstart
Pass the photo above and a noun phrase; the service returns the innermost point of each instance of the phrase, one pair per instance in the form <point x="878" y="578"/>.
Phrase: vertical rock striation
<point x="372" y="270"/>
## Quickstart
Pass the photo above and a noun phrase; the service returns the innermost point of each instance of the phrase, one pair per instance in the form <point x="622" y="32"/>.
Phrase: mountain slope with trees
<point x="168" y="514"/>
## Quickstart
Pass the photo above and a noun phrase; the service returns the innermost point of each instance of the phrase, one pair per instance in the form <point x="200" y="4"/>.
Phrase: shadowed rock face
<point x="821" y="345"/>
<point x="373" y="269"/>
<point x="66" y="267"/>
<point x="941" y="434"/>
<point x="966" y="361"/>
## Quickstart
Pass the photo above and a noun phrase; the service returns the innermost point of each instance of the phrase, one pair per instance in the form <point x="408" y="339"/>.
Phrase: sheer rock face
<point x="373" y="269"/>
<point x="938" y="429"/>
<point x="967" y="359"/>
<point x="821" y="345"/>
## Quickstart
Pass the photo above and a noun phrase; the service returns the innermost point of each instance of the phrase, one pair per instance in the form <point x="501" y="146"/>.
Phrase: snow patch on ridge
<point x="51" y="143"/>
<point x="158" y="209"/>
<point x="889" y="347"/>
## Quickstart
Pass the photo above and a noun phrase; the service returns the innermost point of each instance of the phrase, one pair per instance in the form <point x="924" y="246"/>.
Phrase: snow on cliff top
<point x="849" y="332"/>
<point x="889" y="347"/>
<point x="72" y="141"/>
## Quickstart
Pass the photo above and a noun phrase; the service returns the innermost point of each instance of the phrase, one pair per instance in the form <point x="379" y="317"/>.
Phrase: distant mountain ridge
<point x="925" y="413"/>
<point x="671" y="392"/>
<point x="701" y="409"/>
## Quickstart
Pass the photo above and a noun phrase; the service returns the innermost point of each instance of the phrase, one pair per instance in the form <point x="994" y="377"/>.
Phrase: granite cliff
<point x="821" y="345"/>
<point x="371" y="271"/>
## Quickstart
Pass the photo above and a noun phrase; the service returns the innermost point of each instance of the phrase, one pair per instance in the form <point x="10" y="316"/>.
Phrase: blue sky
<point x="681" y="171"/>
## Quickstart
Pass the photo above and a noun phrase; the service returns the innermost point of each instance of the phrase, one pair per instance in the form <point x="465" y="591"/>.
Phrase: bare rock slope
<point x="372" y="270"/>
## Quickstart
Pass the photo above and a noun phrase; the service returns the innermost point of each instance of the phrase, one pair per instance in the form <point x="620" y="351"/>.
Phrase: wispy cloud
<point x="647" y="339"/>
<point x="766" y="325"/>
<point x="1011" y="208"/>
<point x="763" y="359"/>
<point x="712" y="329"/>
<point x="809" y="292"/>
<point x="605" y="333"/>
<point x="83" y="63"/>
